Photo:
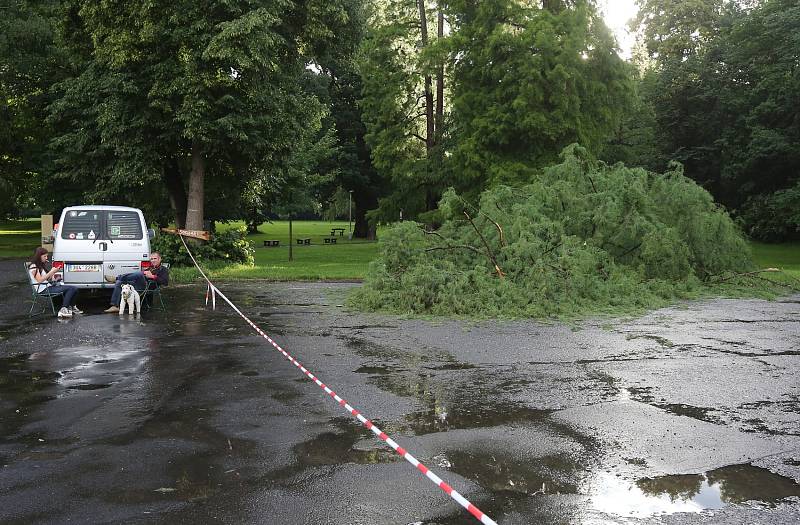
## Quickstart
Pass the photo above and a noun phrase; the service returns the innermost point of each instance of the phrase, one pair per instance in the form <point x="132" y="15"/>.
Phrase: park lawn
<point x="19" y="238"/>
<point x="784" y="256"/>
<point x="347" y="259"/>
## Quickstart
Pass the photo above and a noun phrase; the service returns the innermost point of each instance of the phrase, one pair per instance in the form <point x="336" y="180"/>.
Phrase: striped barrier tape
<point x="212" y="290"/>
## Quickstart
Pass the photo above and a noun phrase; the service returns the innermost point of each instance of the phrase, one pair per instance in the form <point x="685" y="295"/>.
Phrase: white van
<point x="92" y="242"/>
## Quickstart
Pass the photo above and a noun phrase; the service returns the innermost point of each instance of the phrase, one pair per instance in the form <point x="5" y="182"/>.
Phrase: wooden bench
<point x="329" y="240"/>
<point x="272" y="242"/>
<point x="305" y="240"/>
<point x="340" y="230"/>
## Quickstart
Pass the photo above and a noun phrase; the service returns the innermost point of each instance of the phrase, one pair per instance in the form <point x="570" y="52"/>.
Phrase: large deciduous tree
<point x="30" y="61"/>
<point x="724" y="88"/>
<point x="167" y="95"/>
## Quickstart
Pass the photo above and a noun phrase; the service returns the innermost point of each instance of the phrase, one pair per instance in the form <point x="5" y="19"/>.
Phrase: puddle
<point x="452" y="366"/>
<point x="89" y="386"/>
<point x="553" y="474"/>
<point x="23" y="389"/>
<point x="442" y="418"/>
<point x="715" y="489"/>
<point x="334" y="448"/>
<point x="663" y="341"/>
<point x="373" y="370"/>
<point x="679" y="409"/>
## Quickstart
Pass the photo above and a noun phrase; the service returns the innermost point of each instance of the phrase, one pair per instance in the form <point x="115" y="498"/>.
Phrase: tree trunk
<point x="194" y="206"/>
<point x="439" y="118"/>
<point x="363" y="201"/>
<point x="177" y="192"/>
<point x="429" y="125"/>
<point x="252" y="227"/>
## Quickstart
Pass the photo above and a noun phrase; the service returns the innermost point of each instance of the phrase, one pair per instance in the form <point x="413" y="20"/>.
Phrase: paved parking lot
<point x="685" y="415"/>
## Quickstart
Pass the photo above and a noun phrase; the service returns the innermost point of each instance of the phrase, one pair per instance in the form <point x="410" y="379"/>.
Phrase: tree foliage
<point x="521" y="81"/>
<point x="172" y="91"/>
<point x="30" y="61"/>
<point x="527" y="82"/>
<point x="581" y="236"/>
<point x="724" y="91"/>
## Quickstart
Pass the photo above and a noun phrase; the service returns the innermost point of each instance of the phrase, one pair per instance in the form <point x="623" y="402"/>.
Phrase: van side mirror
<point x="151" y="233"/>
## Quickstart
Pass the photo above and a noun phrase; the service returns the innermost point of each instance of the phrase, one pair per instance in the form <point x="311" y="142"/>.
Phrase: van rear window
<point x="124" y="225"/>
<point x="81" y="224"/>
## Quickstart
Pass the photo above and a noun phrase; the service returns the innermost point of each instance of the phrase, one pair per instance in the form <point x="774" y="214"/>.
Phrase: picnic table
<point x="272" y="242"/>
<point x="304" y="240"/>
<point x="340" y="230"/>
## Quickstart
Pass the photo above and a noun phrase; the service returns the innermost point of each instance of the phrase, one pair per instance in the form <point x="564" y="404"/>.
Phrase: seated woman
<point x="42" y="272"/>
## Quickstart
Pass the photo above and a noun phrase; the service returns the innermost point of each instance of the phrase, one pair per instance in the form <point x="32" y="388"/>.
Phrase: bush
<point x="231" y="246"/>
<point x="582" y="236"/>
<point x="774" y="217"/>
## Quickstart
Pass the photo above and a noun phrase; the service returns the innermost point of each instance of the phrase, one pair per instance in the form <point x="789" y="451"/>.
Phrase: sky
<point x="617" y="13"/>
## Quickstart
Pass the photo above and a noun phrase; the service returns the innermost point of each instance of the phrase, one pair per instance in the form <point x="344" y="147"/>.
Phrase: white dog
<point x="130" y="297"/>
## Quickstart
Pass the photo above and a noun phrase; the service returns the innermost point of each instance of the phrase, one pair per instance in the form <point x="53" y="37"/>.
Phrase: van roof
<point x="101" y="208"/>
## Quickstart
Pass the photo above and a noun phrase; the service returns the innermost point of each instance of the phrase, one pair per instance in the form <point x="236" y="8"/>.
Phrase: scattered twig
<point x="594" y="190"/>
<point x="481" y="212"/>
<point x="499" y="229"/>
<point x="449" y="245"/>
<point x="551" y="249"/>
<point x="454" y="246"/>
<point x="747" y="274"/>
<point x="489" y="251"/>
<point x="630" y="250"/>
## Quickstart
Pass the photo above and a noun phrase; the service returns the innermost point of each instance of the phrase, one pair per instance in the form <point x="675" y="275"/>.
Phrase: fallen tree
<point x="582" y="237"/>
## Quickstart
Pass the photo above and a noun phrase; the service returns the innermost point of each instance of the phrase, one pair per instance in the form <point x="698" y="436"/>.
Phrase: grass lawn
<point x="345" y="260"/>
<point x="18" y="239"/>
<point x="785" y="256"/>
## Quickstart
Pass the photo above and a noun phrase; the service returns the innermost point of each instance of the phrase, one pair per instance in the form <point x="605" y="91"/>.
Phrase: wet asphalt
<point x="688" y="414"/>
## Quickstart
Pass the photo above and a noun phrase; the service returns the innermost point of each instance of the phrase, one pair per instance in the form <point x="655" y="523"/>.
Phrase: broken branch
<point x="489" y="251"/>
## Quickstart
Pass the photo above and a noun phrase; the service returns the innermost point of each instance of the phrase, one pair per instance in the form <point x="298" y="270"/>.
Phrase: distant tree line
<point x="245" y="110"/>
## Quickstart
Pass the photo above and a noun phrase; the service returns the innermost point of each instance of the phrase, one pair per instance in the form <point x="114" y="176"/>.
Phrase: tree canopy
<point x="197" y="111"/>
<point x="724" y="87"/>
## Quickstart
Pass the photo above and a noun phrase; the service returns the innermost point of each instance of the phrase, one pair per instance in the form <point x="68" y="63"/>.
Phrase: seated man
<point x="156" y="273"/>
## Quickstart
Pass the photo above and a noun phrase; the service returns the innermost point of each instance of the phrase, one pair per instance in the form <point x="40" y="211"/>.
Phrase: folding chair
<point x="151" y="292"/>
<point x="44" y="296"/>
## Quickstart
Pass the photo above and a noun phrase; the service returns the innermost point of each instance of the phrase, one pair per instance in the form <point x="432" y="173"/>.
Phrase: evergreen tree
<point x="527" y="82"/>
<point x="519" y="81"/>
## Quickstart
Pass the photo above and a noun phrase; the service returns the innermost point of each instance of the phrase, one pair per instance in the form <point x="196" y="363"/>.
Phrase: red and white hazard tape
<point x="475" y="511"/>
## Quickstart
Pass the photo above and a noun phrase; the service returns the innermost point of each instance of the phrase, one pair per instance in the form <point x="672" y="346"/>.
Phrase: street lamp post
<point x="350" y="214"/>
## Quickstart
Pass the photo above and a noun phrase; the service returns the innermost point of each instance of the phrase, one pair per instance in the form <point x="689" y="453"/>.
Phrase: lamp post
<point x="350" y="214"/>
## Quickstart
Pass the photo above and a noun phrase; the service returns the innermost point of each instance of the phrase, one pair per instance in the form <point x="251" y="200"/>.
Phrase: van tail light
<point x="145" y="265"/>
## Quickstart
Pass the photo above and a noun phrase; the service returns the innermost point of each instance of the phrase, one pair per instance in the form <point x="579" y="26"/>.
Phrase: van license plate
<point x="84" y="268"/>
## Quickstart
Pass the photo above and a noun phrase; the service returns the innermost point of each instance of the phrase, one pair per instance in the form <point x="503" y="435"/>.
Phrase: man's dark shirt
<point x="162" y="275"/>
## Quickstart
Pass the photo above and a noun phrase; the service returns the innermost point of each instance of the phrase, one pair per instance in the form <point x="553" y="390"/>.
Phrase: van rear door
<point x="128" y="242"/>
<point x="80" y="247"/>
